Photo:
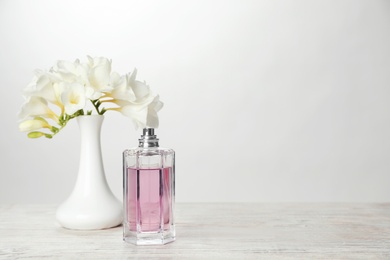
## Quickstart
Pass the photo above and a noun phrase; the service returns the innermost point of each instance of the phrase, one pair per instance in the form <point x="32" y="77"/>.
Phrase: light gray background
<point x="264" y="100"/>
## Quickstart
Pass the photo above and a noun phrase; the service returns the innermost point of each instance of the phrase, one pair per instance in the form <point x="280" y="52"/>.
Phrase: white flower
<point x="135" y="100"/>
<point x="144" y="114"/>
<point x="43" y="85"/>
<point x="76" y="72"/>
<point x="132" y="91"/>
<point x="121" y="89"/>
<point x="140" y="89"/>
<point x="70" y="72"/>
<point x="153" y="108"/>
<point x="70" y="86"/>
<point x="73" y="97"/>
<point x="36" y="106"/>
<point x="33" y="124"/>
<point x="99" y="71"/>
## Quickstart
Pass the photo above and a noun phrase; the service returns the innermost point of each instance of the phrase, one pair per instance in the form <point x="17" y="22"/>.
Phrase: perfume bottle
<point x="148" y="192"/>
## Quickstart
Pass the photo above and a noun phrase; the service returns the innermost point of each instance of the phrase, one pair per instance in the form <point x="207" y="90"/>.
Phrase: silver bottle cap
<point x="148" y="139"/>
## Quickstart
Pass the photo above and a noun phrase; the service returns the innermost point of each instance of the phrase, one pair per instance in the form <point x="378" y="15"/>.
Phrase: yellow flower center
<point x="74" y="99"/>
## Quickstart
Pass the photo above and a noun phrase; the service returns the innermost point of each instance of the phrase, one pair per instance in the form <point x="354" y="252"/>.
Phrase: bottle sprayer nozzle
<point x="148" y="131"/>
<point x="148" y="139"/>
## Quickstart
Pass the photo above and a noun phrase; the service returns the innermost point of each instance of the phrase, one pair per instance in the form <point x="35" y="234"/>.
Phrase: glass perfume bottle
<point x="148" y="192"/>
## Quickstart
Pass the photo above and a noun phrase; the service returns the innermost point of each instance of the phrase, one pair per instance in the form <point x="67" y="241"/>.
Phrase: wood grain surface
<point x="211" y="231"/>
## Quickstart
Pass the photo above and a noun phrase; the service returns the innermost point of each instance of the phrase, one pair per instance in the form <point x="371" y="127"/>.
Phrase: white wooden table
<point x="211" y="231"/>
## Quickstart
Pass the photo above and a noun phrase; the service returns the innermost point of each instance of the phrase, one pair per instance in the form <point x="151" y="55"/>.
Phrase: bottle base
<point x="149" y="239"/>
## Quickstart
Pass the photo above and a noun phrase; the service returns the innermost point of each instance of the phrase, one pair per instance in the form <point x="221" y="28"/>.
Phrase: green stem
<point x="63" y="120"/>
<point x="96" y="103"/>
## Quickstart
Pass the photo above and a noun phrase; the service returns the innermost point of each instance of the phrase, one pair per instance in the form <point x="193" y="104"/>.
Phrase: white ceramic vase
<point x="91" y="205"/>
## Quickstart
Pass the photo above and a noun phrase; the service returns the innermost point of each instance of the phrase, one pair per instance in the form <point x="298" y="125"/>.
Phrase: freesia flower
<point x="121" y="89"/>
<point x="70" y="71"/>
<point x="143" y="114"/>
<point x="99" y="73"/>
<point x="42" y="86"/>
<point x="73" y="97"/>
<point x="33" y="124"/>
<point x="153" y="108"/>
<point x="136" y="100"/>
<point x="37" y="106"/>
<point x="65" y="90"/>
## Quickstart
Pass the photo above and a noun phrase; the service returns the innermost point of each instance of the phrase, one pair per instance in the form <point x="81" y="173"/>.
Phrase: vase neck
<point x="91" y="161"/>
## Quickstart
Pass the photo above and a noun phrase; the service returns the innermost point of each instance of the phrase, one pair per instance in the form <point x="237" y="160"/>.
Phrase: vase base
<point x="98" y="227"/>
<point x="87" y="218"/>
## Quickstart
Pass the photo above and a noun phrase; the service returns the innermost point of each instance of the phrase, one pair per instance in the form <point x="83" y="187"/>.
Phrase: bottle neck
<point x="148" y="139"/>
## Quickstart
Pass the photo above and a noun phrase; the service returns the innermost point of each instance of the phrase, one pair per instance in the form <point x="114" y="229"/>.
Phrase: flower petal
<point x="99" y="73"/>
<point x="32" y="125"/>
<point x="35" y="106"/>
<point x="99" y="77"/>
<point x="73" y="98"/>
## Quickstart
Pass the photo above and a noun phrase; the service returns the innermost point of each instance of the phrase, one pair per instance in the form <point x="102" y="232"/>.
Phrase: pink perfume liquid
<point x="149" y="199"/>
